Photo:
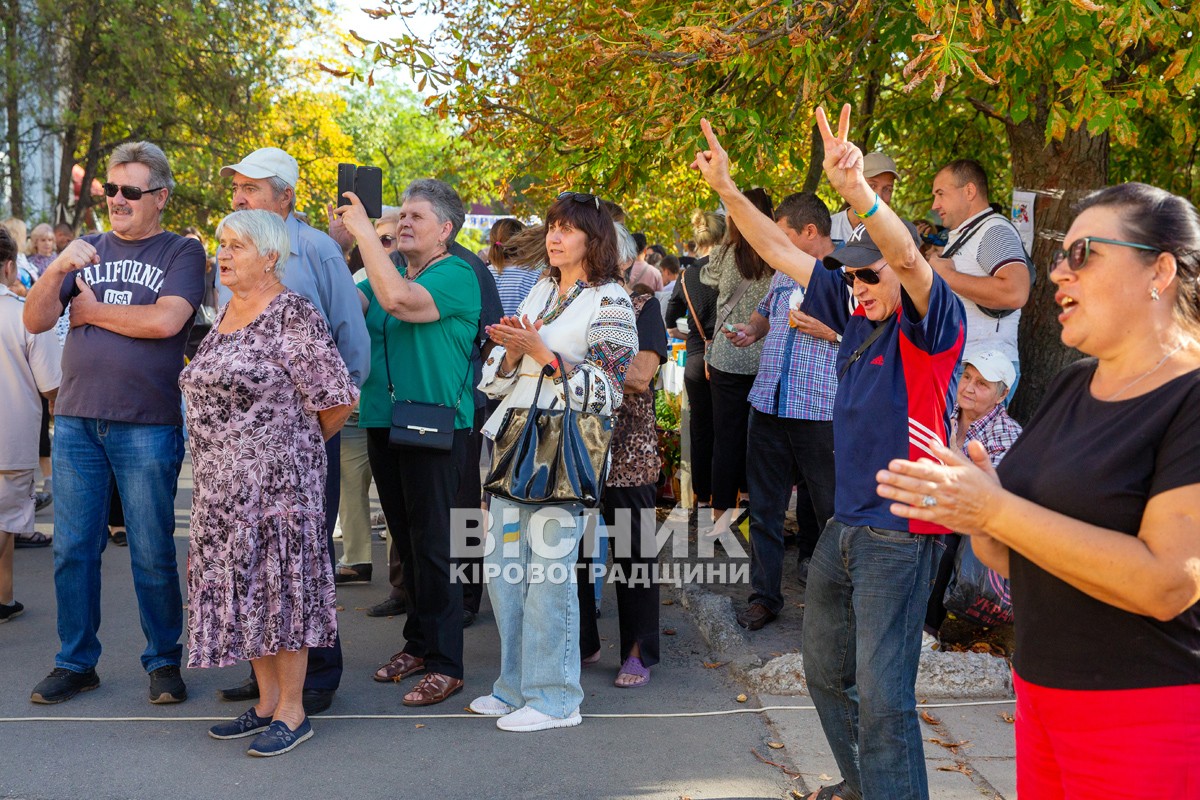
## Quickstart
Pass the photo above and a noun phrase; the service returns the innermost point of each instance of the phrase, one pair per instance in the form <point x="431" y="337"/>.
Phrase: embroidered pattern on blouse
<point x="612" y="344"/>
<point x="556" y="304"/>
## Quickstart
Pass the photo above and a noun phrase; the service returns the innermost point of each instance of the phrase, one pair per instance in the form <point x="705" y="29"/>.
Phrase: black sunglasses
<point x="386" y="240"/>
<point x="581" y="197"/>
<point x="128" y="192"/>
<point x="1076" y="255"/>
<point x="868" y="276"/>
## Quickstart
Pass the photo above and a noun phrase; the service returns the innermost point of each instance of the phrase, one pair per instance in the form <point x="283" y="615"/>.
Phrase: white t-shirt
<point x="994" y="244"/>
<point x="29" y="364"/>
<point x="840" y="227"/>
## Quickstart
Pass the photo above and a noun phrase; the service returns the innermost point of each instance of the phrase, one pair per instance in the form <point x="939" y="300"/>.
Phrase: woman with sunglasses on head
<point x="576" y="328"/>
<point x="869" y="577"/>
<point x="1093" y="514"/>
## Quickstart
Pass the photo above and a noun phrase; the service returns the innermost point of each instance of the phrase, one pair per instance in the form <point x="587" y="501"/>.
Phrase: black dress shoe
<point x="317" y="700"/>
<point x="392" y="607"/>
<point x="468" y="617"/>
<point x="246" y="690"/>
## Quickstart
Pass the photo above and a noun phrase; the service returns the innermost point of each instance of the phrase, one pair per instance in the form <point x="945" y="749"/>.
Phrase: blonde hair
<point x="709" y="229"/>
<point x="17" y="228"/>
<point x="43" y="229"/>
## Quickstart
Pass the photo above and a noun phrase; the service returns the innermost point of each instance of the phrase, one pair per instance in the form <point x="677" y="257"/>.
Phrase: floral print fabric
<point x="259" y="573"/>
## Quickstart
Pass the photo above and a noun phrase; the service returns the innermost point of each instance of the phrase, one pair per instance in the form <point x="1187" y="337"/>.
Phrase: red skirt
<point x="1097" y="745"/>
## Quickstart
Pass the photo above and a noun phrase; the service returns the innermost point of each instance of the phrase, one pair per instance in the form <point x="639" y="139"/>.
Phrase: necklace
<point x="1145" y="374"/>
<point x="436" y="257"/>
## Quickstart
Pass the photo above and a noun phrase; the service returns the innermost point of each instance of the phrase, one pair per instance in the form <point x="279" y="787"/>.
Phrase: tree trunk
<point x="1061" y="173"/>
<point x="12" y="110"/>
<point x="816" y="156"/>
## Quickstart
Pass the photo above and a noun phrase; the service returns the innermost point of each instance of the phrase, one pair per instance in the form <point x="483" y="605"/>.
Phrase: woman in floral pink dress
<point x="265" y="389"/>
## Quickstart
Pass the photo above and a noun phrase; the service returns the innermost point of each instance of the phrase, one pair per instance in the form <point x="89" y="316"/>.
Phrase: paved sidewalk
<point x="162" y="751"/>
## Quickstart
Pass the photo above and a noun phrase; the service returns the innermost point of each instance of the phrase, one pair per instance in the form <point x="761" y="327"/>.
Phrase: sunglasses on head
<point x="129" y="192"/>
<point x="867" y="275"/>
<point x="1076" y="255"/>
<point x="581" y="197"/>
<point x="387" y="240"/>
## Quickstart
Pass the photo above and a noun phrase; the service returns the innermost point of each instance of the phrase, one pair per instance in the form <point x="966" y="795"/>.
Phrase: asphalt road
<point x="137" y="750"/>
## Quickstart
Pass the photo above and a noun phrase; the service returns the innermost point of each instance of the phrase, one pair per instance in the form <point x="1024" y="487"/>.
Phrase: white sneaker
<point x="928" y="642"/>
<point x="526" y="720"/>
<point x="491" y="706"/>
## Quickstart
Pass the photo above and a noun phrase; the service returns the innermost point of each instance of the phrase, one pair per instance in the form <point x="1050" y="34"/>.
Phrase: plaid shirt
<point x="995" y="430"/>
<point x="796" y="376"/>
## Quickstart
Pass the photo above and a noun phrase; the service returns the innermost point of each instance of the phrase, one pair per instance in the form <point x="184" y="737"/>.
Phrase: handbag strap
<point x="387" y="366"/>
<point x="862" y="348"/>
<point x="728" y="306"/>
<point x="587" y="388"/>
<point x="688" y="299"/>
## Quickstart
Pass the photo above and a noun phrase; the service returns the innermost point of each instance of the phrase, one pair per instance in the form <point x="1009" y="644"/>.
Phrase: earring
<point x="1154" y="293"/>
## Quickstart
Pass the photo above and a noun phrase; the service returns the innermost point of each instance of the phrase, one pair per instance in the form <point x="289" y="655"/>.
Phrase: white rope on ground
<point x="665" y="715"/>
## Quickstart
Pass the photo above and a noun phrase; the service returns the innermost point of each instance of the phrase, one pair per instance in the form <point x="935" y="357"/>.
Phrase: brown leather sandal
<point x="399" y="667"/>
<point x="433" y="688"/>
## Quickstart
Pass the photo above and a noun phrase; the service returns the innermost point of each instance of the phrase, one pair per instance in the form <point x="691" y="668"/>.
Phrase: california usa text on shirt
<point x="124" y="271"/>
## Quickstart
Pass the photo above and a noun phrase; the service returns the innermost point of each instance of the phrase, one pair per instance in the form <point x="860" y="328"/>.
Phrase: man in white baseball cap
<point x="881" y="173"/>
<point x="266" y="180"/>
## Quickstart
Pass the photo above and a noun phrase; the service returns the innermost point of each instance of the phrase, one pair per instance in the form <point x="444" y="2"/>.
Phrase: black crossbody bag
<point x="427" y="425"/>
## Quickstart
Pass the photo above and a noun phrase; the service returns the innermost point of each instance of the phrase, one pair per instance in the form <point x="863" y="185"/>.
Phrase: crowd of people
<point x="858" y="359"/>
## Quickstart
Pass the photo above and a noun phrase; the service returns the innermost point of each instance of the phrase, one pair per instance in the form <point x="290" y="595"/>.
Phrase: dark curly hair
<point x="600" y="259"/>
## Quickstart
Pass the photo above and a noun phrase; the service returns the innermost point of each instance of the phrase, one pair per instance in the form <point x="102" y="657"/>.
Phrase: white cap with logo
<point x="993" y="365"/>
<point x="266" y="162"/>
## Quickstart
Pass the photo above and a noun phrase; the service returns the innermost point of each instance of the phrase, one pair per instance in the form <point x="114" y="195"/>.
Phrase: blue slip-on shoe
<point x="247" y="724"/>
<point x="279" y="739"/>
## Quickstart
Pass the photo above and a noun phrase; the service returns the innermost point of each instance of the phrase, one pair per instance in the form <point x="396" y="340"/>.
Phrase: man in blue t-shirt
<point x="897" y="364"/>
<point x="132" y="294"/>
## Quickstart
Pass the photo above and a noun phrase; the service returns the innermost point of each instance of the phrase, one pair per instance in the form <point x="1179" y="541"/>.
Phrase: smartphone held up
<point x="366" y="182"/>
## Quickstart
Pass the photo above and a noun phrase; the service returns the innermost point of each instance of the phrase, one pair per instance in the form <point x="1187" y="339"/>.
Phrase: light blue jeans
<point x="863" y="611"/>
<point x="144" y="460"/>
<point x="537" y="614"/>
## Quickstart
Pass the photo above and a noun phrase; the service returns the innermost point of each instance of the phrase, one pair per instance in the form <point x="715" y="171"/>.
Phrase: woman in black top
<point x="1094" y="514"/>
<point x="709" y="230"/>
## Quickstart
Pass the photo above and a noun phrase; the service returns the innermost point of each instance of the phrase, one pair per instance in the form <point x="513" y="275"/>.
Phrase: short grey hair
<point x="148" y="154"/>
<point x="447" y="205"/>
<point x="264" y="229"/>
<point x="279" y="186"/>
<point x="627" y="249"/>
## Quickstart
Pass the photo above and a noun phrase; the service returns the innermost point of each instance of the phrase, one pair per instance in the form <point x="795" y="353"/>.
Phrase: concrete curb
<point x="964" y="676"/>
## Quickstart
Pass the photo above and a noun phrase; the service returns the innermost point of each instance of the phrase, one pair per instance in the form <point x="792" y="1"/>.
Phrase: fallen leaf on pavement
<point x="419" y="725"/>
<point x="1007" y="717"/>
<point x="668" y="631"/>
<point x="668" y="602"/>
<point x="963" y="768"/>
<point x="823" y="777"/>
<point x="791" y="773"/>
<point x="930" y="718"/>
<point x="775" y="745"/>
<point x="741" y="698"/>
<point x="714" y="664"/>
<point x="951" y="746"/>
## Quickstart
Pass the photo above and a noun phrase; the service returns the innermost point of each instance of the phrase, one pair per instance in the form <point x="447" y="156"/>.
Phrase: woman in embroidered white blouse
<point x="581" y="314"/>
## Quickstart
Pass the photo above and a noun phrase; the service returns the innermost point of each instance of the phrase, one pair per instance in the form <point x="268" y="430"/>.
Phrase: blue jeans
<point x="89" y="454"/>
<point x="867" y="592"/>
<point x="538" y="620"/>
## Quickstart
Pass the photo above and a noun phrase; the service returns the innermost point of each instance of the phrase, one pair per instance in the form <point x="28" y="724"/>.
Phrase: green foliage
<point x="391" y="130"/>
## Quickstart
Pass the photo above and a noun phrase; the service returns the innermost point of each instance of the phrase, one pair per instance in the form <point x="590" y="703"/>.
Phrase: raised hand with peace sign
<point x="844" y="161"/>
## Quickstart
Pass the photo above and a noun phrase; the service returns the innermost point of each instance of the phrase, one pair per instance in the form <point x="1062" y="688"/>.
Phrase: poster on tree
<point x="1022" y="216"/>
